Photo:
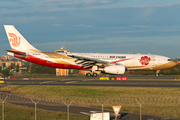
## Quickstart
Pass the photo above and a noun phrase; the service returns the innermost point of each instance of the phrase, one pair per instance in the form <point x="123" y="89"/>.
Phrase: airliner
<point x="106" y="63"/>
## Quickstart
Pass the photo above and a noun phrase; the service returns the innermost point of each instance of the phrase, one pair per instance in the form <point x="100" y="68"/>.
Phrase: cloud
<point x="84" y="3"/>
<point x="169" y="30"/>
<point x="157" y="27"/>
<point x="146" y="29"/>
<point x="135" y="31"/>
<point x="68" y="5"/>
<point x="113" y="3"/>
<point x="18" y="4"/>
<point x="24" y="19"/>
<point x="60" y="5"/>
<point x="82" y="25"/>
<point x="142" y="26"/>
<point x="85" y="36"/>
<point x="146" y="13"/>
<point x="100" y="4"/>
<point x="56" y="24"/>
<point x="169" y="4"/>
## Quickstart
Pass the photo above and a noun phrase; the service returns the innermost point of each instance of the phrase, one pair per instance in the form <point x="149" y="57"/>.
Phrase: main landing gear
<point x="91" y="74"/>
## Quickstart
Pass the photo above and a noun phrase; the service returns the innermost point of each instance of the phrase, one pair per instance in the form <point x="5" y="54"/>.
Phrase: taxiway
<point x="133" y="81"/>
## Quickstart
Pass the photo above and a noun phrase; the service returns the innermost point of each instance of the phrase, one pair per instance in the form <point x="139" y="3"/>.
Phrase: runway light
<point x="1" y="81"/>
<point x="103" y="78"/>
<point x="121" y="78"/>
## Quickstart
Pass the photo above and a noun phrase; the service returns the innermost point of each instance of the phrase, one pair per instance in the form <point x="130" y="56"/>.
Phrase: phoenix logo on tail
<point x="15" y="40"/>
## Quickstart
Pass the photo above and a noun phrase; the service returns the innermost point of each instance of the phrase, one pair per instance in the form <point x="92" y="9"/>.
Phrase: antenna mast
<point x="64" y="43"/>
<point x="59" y="44"/>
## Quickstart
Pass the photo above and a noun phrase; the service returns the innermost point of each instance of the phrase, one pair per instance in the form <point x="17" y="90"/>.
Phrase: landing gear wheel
<point x="94" y="75"/>
<point x="88" y="75"/>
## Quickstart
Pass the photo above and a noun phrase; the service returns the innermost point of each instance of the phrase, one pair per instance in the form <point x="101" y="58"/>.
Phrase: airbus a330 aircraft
<point x="107" y="63"/>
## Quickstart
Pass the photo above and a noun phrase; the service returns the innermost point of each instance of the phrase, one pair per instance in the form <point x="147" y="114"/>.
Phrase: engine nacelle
<point x="115" y="69"/>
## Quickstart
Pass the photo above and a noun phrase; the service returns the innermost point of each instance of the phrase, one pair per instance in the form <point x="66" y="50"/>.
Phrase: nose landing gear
<point x="157" y="72"/>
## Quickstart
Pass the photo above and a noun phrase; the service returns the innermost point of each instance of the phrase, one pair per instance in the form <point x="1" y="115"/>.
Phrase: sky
<point x="95" y="26"/>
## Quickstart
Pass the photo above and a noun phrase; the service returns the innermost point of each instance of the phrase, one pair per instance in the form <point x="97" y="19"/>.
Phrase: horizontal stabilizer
<point x="23" y="54"/>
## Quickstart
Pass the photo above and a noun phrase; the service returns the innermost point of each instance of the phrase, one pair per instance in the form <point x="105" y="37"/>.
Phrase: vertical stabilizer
<point x="17" y="41"/>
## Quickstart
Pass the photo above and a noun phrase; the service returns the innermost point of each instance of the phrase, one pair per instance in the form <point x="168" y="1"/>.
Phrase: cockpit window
<point x="169" y="59"/>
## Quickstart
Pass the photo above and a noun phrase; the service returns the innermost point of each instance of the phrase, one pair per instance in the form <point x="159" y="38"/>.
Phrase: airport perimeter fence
<point x="133" y="103"/>
<point x="93" y="101"/>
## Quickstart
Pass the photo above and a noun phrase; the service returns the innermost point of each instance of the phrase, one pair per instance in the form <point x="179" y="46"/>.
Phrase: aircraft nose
<point x="172" y="64"/>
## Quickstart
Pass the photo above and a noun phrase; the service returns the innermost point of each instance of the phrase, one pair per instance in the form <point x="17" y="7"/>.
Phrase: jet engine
<point x="115" y="69"/>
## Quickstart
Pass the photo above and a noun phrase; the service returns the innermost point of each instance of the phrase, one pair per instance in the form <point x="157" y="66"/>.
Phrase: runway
<point x="133" y="81"/>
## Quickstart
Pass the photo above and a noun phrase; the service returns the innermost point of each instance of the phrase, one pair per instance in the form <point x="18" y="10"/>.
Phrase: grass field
<point x="167" y="107"/>
<point x="16" y="112"/>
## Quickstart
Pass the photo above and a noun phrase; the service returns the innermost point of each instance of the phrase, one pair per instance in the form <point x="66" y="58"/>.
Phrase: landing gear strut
<point x="157" y="72"/>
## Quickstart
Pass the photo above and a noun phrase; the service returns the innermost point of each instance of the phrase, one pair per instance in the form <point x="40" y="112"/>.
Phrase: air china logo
<point x="15" y="40"/>
<point x="145" y="60"/>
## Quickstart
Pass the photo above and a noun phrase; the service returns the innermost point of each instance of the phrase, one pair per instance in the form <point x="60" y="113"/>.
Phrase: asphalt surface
<point x="133" y="81"/>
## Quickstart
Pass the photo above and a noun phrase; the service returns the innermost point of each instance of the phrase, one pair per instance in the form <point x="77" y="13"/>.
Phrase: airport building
<point x="5" y="62"/>
<point x="62" y="72"/>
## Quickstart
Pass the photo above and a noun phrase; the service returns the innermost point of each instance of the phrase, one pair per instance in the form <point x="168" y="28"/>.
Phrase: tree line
<point x="30" y="68"/>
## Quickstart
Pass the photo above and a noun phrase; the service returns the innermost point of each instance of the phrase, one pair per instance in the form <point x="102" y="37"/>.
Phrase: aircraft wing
<point x="90" y="62"/>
